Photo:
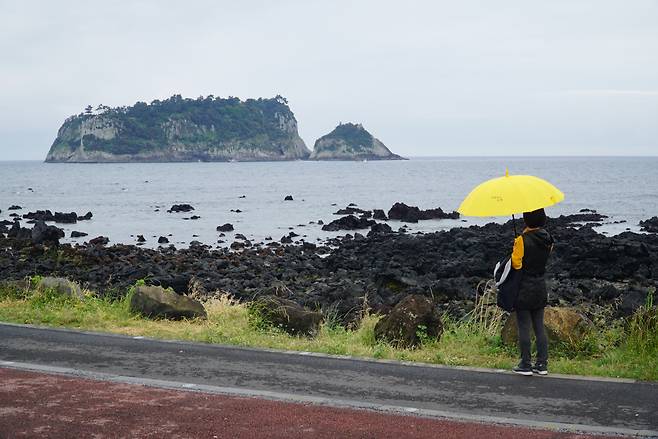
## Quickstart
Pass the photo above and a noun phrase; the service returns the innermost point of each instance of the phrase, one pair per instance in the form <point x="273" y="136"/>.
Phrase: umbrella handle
<point x="514" y="224"/>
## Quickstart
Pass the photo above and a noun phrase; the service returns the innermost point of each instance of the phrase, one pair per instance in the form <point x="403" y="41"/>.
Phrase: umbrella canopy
<point x="510" y="194"/>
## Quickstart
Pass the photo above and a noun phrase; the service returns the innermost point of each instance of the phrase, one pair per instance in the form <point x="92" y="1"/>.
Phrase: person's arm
<point x="517" y="253"/>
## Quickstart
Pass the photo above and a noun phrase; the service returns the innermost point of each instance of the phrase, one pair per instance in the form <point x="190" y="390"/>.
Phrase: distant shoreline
<point x="409" y="157"/>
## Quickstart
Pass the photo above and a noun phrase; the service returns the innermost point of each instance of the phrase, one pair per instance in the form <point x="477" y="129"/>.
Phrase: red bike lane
<point x="38" y="405"/>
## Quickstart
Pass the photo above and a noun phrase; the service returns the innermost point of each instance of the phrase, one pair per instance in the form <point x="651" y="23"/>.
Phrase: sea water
<point x="133" y="198"/>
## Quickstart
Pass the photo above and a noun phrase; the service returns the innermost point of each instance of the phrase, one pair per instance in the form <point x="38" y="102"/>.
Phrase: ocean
<point x="124" y="197"/>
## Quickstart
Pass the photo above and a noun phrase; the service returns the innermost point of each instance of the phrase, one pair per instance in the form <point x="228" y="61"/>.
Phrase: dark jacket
<point x="535" y="249"/>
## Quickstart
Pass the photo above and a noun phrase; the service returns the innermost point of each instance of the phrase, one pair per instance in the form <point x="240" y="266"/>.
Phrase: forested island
<point x="182" y="129"/>
<point x="204" y="129"/>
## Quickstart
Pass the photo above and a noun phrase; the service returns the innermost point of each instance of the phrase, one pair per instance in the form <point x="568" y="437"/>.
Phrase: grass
<point x="626" y="349"/>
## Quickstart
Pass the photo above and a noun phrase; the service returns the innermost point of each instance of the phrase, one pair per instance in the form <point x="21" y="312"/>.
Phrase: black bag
<point x="507" y="281"/>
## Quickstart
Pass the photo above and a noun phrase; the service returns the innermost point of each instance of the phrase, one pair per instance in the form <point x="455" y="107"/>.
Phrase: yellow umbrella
<point x="510" y="194"/>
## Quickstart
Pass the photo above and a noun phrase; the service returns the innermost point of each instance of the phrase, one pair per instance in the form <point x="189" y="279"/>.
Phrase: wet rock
<point x="412" y="319"/>
<point x="286" y="239"/>
<point x="563" y="325"/>
<point x="379" y="229"/>
<point x="225" y="228"/>
<point x="412" y="214"/>
<point x="18" y="232"/>
<point x="65" y="218"/>
<point x="180" y="208"/>
<point x="140" y="238"/>
<point x="60" y="286"/>
<point x="285" y="314"/>
<point x="76" y="234"/>
<point x="404" y="213"/>
<point x="41" y="233"/>
<point x="288" y="198"/>
<point x="650" y="225"/>
<point x="349" y="222"/>
<point x="379" y="214"/>
<point x="14" y="207"/>
<point x="163" y="240"/>
<point x="85" y="217"/>
<point x="99" y="241"/>
<point x="351" y="211"/>
<point x="156" y="302"/>
<point x="40" y="215"/>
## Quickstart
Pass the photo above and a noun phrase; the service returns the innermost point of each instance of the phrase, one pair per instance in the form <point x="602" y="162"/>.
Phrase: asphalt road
<point x="604" y="406"/>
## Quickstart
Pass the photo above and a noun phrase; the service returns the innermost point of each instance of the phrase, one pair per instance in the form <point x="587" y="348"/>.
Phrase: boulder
<point x="404" y="213"/>
<point x="411" y="214"/>
<point x="180" y="208"/>
<point x="379" y="229"/>
<point x="349" y="210"/>
<point x="14" y="207"/>
<point x="18" y="232"/>
<point x="563" y="325"/>
<point x="650" y="225"/>
<point x="225" y="228"/>
<point x="65" y="218"/>
<point x="288" y="198"/>
<point x="76" y="234"/>
<point x="349" y="222"/>
<point x="163" y="240"/>
<point x="413" y="318"/>
<point x="42" y="215"/>
<point x="41" y="233"/>
<point x="379" y="214"/>
<point x="156" y="302"/>
<point x="99" y="240"/>
<point x="285" y="314"/>
<point x="60" y="286"/>
<point x="86" y="217"/>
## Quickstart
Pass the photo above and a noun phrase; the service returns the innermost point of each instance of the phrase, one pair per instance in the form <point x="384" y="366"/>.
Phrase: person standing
<point x="530" y="254"/>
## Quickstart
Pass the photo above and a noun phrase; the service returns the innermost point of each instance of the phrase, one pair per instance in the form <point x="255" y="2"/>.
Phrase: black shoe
<point x="523" y="370"/>
<point x="540" y="369"/>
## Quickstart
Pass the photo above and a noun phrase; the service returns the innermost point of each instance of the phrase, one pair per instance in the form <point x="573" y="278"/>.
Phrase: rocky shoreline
<point x="345" y="275"/>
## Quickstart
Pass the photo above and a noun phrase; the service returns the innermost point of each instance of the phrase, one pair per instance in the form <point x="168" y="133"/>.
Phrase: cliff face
<point x="177" y="129"/>
<point x="351" y="142"/>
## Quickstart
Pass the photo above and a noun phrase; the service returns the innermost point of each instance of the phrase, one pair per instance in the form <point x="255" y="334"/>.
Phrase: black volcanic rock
<point x="650" y="225"/>
<point x="379" y="214"/>
<point x="225" y="228"/>
<point x="41" y="233"/>
<point x="181" y="208"/>
<point x="412" y="214"/>
<point x="99" y="241"/>
<point x="349" y="222"/>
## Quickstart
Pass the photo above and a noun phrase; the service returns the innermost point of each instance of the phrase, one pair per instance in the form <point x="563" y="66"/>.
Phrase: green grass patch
<point x="627" y="349"/>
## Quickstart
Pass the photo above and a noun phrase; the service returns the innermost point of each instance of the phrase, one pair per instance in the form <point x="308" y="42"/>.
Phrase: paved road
<point x="39" y="405"/>
<point x="595" y="405"/>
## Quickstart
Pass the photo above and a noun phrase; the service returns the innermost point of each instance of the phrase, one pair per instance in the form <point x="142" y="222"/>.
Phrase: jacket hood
<point x="542" y="236"/>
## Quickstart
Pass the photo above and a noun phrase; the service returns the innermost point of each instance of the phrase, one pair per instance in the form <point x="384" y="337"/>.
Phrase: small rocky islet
<point x="374" y="269"/>
<point x="204" y="129"/>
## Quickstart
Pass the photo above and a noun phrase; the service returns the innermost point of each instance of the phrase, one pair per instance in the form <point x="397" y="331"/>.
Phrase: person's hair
<point x="534" y="219"/>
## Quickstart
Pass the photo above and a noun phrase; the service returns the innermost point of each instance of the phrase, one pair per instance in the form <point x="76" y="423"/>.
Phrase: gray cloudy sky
<point x="425" y="77"/>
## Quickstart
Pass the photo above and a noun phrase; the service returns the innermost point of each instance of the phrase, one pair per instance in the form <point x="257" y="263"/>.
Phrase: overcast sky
<point x="425" y="77"/>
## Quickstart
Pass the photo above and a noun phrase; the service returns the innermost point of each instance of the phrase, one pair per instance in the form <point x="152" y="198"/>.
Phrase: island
<point x="182" y="129"/>
<point x="349" y="141"/>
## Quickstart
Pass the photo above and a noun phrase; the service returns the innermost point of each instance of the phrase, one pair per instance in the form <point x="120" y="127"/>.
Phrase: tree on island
<point x="89" y="109"/>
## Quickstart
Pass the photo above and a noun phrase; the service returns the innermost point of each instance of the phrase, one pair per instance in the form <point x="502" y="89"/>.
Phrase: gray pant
<point x="524" y="319"/>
